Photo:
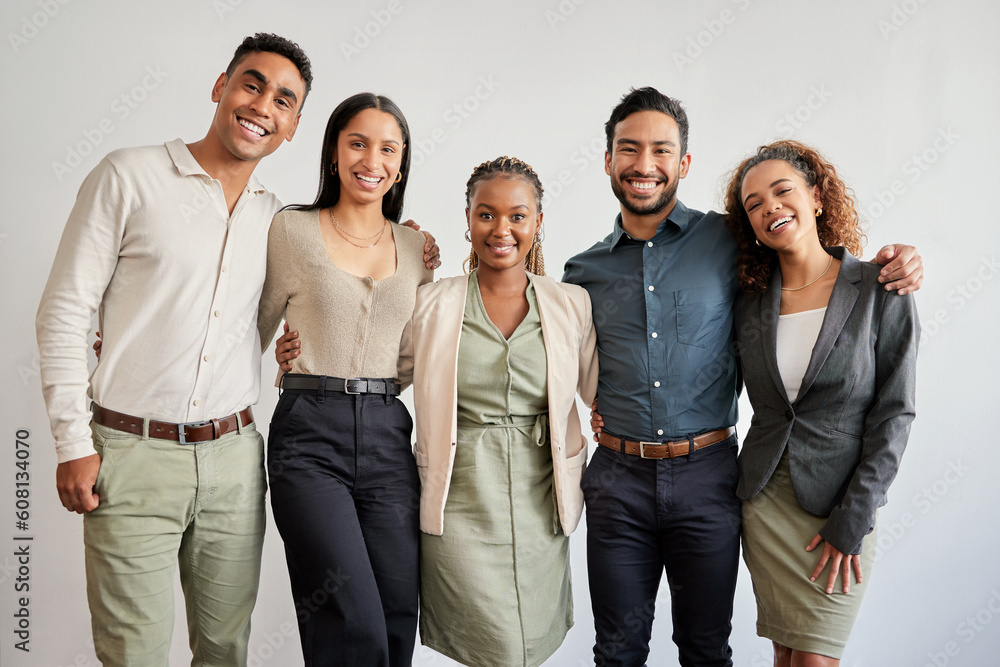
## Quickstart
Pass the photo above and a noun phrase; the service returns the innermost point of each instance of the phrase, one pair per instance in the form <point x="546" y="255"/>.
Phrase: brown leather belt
<point x="186" y="434"/>
<point x="666" y="449"/>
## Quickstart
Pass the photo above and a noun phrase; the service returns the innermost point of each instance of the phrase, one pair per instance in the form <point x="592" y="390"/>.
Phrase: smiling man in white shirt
<point x="168" y="244"/>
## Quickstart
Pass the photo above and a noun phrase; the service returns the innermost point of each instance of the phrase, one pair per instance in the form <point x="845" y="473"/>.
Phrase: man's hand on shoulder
<point x="902" y="268"/>
<point x="75" y="483"/>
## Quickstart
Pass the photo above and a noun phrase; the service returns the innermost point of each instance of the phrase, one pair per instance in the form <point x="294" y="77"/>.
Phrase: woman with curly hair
<point x="828" y="358"/>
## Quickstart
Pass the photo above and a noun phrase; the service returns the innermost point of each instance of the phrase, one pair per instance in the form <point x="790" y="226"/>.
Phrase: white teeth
<point x="643" y="186"/>
<point x="780" y="222"/>
<point x="253" y="128"/>
<point x="368" y="179"/>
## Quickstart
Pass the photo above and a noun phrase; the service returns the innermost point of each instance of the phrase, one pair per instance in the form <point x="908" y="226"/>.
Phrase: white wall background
<point x="902" y="95"/>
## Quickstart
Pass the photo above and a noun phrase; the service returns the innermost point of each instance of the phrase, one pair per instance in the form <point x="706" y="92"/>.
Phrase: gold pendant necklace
<point x="796" y="289"/>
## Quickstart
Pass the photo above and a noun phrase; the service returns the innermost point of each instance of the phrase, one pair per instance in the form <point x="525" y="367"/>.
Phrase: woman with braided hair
<point x="497" y="358"/>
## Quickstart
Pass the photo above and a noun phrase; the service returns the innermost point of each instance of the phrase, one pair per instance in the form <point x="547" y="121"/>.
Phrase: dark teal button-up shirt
<point x="663" y="310"/>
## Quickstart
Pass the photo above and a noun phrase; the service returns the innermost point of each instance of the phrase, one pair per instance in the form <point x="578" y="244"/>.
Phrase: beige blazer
<point x="429" y="358"/>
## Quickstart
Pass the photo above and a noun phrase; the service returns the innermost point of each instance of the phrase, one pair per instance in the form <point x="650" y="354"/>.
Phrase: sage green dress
<point x="495" y="587"/>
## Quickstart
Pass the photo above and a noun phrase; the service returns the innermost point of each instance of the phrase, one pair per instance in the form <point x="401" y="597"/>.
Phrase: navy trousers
<point x="345" y="496"/>
<point x="645" y="517"/>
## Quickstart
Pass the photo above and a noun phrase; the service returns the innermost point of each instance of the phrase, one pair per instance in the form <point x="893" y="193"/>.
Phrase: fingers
<point x="814" y="542"/>
<point x="845" y="575"/>
<point x="905" y="271"/>
<point x="819" y="567"/>
<point x="411" y="223"/>
<point x="285" y="327"/>
<point x="857" y="568"/>
<point x="75" y="484"/>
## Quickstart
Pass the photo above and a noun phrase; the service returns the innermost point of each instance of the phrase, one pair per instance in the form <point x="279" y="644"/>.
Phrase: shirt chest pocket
<point x="701" y="314"/>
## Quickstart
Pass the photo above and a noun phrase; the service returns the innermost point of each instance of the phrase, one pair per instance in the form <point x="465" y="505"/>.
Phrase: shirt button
<point x="656" y="384"/>
<point x="650" y="288"/>
<point x="653" y="334"/>
<point x="205" y="357"/>
<point x="788" y="415"/>
<point x="224" y="268"/>
<point x="197" y="401"/>
<point x="659" y="432"/>
<point x="216" y="313"/>
<point x="649" y="244"/>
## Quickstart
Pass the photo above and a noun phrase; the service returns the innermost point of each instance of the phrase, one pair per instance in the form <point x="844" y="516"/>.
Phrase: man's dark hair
<point x="648" y="99"/>
<point x="270" y="43"/>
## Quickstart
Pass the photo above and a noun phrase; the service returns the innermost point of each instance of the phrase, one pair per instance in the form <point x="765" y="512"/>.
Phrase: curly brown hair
<point x="838" y="225"/>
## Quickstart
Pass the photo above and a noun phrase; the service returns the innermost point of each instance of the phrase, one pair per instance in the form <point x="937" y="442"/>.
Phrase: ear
<point x="217" y="89"/>
<point x="291" y="132"/>
<point x="607" y="162"/>
<point x="468" y="221"/>
<point x="817" y="196"/>
<point x="538" y="226"/>
<point x="685" y="165"/>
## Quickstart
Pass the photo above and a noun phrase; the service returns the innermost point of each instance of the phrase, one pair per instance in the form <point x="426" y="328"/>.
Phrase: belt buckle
<point x="642" y="449"/>
<point x="348" y="391"/>
<point x="182" y="432"/>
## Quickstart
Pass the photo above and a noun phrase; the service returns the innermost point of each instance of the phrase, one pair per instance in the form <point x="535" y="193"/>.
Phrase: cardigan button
<point x="788" y="415"/>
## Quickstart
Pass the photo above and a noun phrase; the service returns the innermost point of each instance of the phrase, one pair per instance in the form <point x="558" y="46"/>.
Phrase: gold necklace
<point x="796" y="289"/>
<point x="344" y="234"/>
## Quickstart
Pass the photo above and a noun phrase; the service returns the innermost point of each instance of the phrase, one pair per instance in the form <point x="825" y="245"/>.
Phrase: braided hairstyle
<point x="509" y="167"/>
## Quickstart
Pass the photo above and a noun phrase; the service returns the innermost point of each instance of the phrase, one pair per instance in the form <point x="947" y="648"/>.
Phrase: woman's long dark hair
<point x="329" y="183"/>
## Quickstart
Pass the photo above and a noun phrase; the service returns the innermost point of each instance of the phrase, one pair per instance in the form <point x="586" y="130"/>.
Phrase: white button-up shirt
<point x="150" y="244"/>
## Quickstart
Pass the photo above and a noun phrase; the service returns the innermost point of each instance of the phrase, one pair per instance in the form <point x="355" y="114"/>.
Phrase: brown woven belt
<point x="186" y="434"/>
<point x="665" y="449"/>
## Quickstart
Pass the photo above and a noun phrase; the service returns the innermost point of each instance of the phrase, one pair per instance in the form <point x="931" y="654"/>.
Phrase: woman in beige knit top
<point x="344" y="487"/>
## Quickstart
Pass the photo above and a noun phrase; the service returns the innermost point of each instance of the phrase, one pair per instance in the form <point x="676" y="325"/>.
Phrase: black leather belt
<point x="332" y="385"/>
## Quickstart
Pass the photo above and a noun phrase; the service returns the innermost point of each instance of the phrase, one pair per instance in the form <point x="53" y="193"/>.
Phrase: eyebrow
<point x="780" y="180"/>
<point x="284" y="90"/>
<point x="635" y="142"/>
<point x="361" y="136"/>
<point x="485" y="205"/>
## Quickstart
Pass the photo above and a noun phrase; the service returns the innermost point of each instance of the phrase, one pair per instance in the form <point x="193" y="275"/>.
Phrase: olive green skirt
<point x="792" y="610"/>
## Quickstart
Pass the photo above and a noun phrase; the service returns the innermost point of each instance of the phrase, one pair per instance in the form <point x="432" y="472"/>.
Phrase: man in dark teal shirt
<point x="660" y="491"/>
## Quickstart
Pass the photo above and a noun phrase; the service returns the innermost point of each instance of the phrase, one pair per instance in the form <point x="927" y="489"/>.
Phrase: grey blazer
<point x="846" y="431"/>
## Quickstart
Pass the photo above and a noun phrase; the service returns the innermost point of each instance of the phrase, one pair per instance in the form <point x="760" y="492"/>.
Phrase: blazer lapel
<point x="546" y="294"/>
<point x="842" y="300"/>
<point x="770" y="306"/>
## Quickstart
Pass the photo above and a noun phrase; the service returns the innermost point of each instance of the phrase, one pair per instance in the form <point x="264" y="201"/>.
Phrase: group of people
<point x="465" y="532"/>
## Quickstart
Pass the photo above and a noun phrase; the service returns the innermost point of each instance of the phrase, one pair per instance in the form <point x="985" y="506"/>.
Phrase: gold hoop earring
<point x="399" y="177"/>
<point x="759" y="244"/>
<point x="819" y="211"/>
<point x="333" y="168"/>
<point x="468" y="235"/>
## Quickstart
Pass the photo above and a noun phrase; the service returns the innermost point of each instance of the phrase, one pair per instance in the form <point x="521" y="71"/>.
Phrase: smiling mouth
<point x="253" y="127"/>
<point x="501" y="248"/>
<point x="369" y="181"/>
<point x="643" y="185"/>
<point x="779" y="223"/>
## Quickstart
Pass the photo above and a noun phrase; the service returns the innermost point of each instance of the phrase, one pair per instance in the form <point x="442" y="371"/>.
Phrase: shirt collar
<point x="187" y="166"/>
<point x="672" y="225"/>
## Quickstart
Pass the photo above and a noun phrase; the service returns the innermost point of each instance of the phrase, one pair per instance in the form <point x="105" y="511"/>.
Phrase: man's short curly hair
<point x="270" y="43"/>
